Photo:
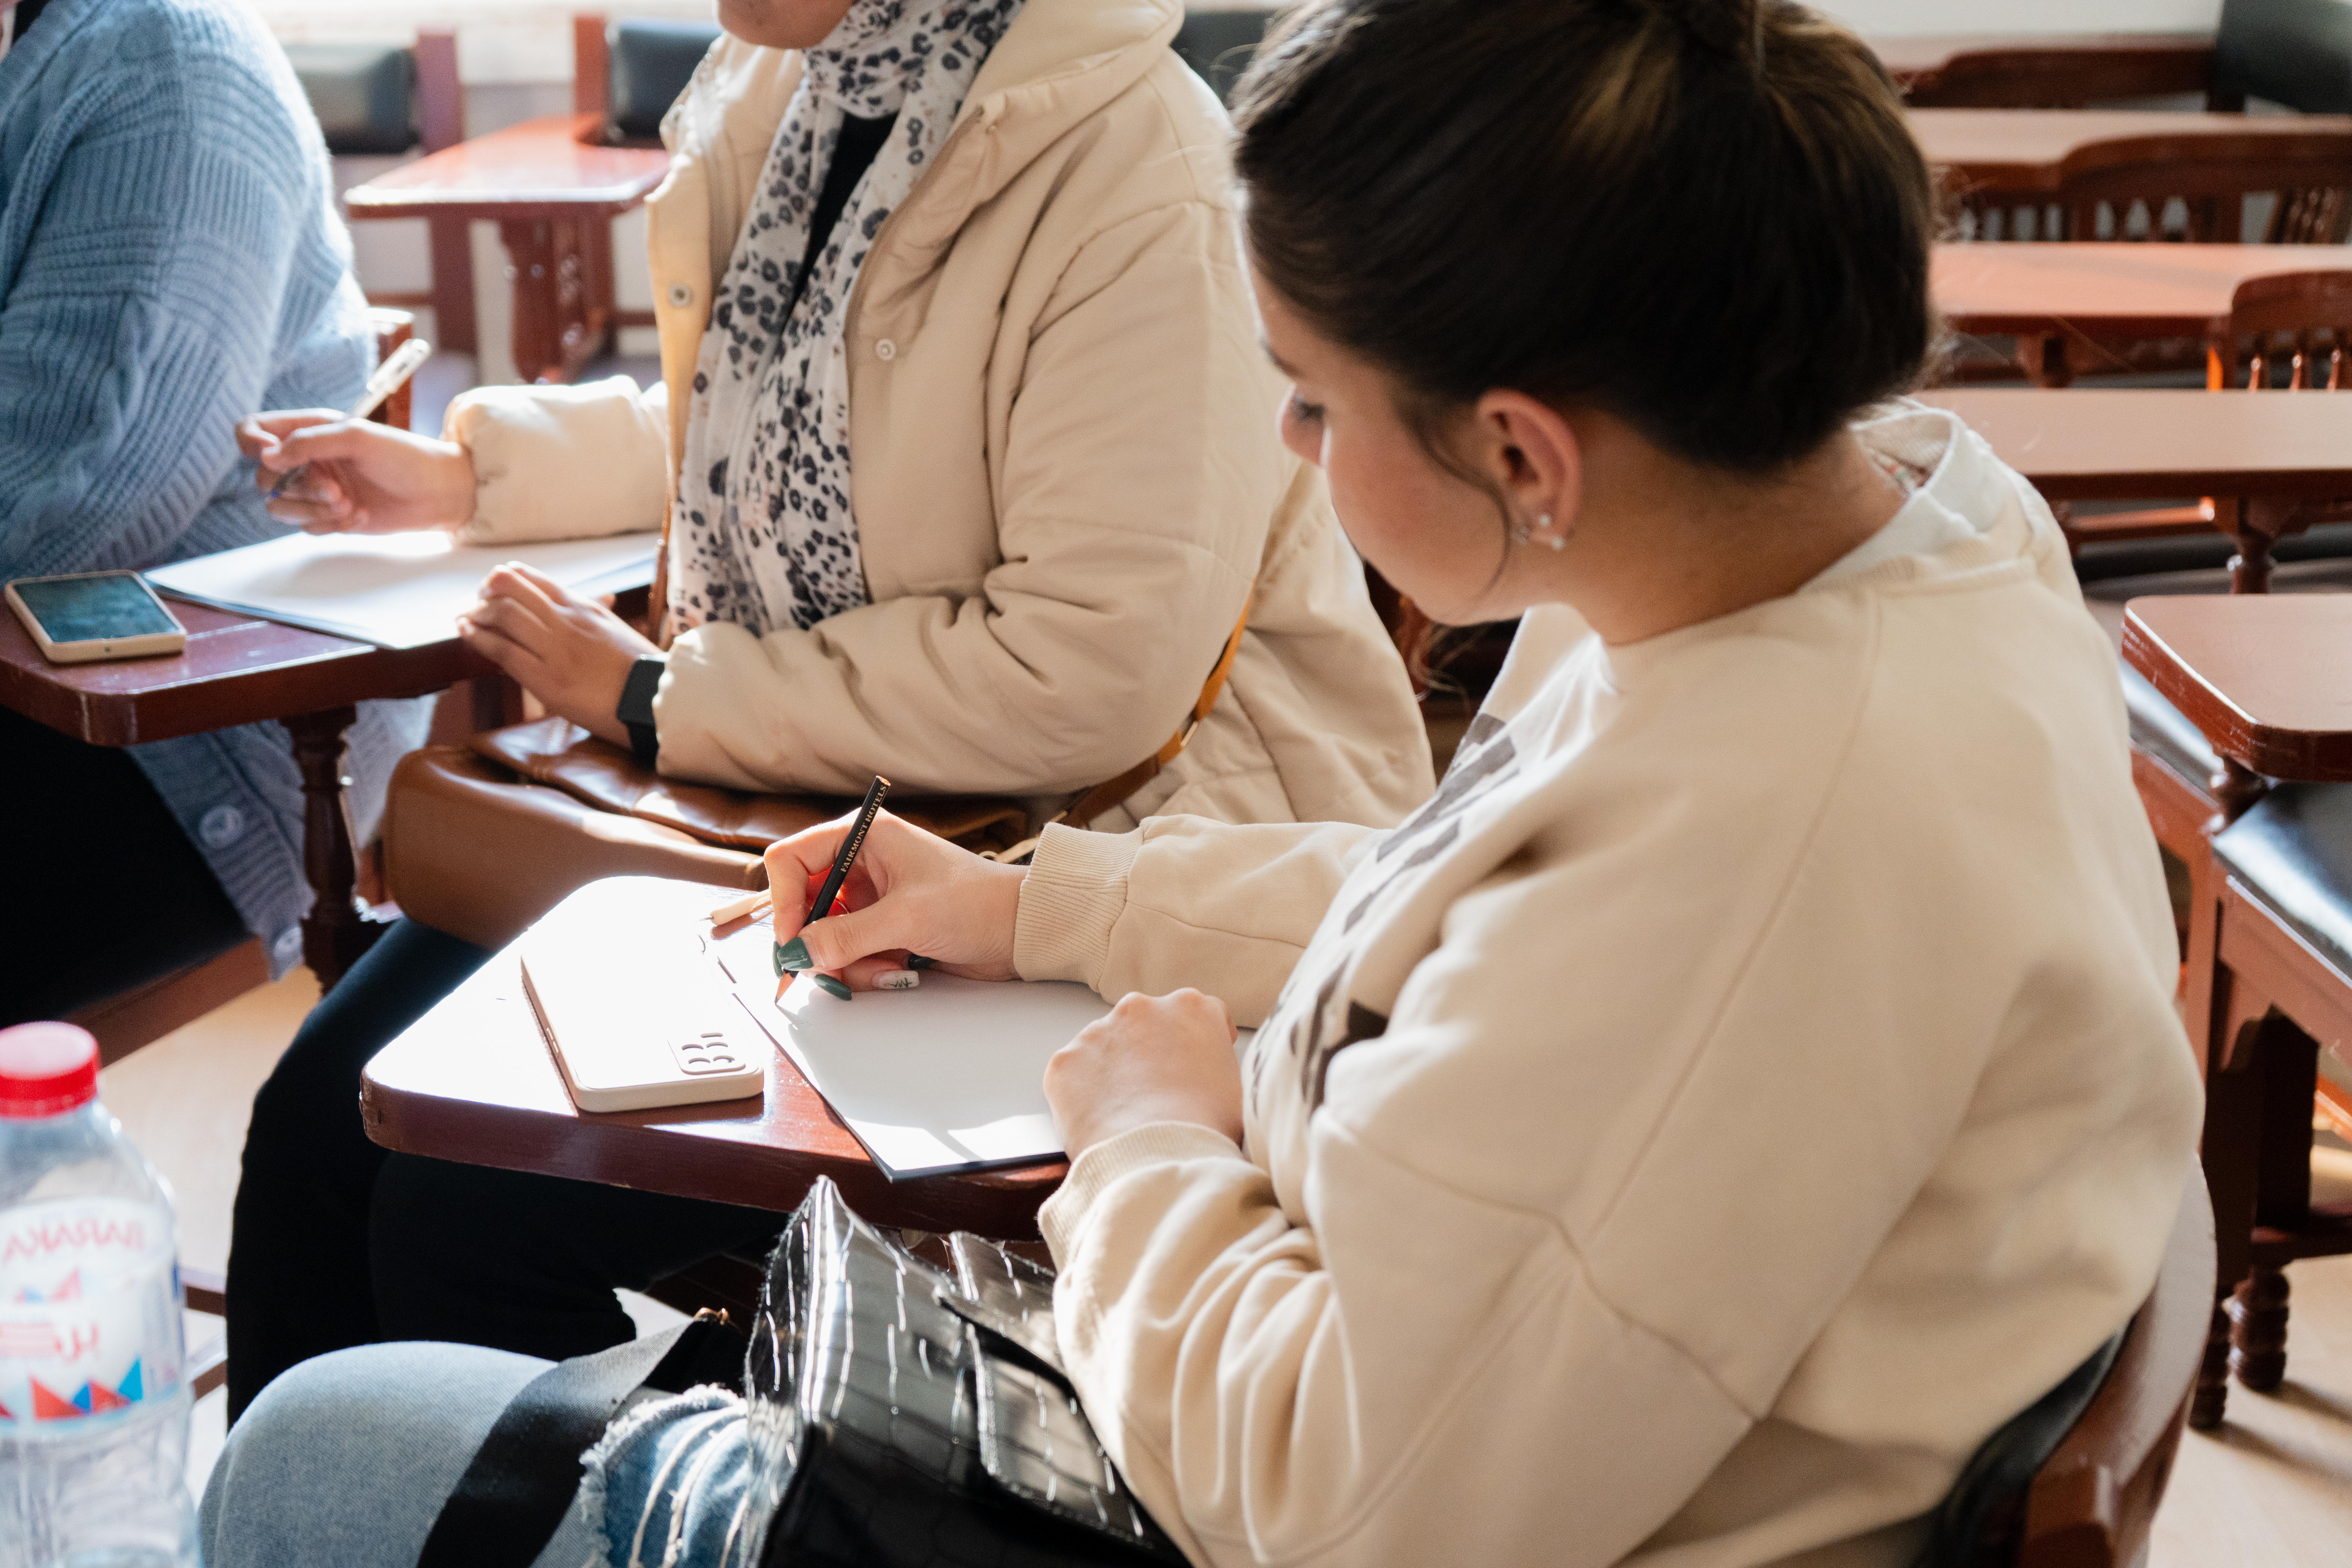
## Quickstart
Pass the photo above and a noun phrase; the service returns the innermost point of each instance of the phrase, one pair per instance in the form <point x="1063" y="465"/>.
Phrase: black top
<point x="29" y="9"/>
<point x="852" y="156"/>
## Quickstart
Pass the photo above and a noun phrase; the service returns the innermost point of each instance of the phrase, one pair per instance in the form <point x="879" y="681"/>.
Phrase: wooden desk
<point x="2086" y="445"/>
<point x="2052" y="72"/>
<point x="2029" y="151"/>
<point x="473" y="1081"/>
<point x="240" y="669"/>
<point x="2267" y="677"/>
<point x="553" y="191"/>
<point x="2097" y="292"/>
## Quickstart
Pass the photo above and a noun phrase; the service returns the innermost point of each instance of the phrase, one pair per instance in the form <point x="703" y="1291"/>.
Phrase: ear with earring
<point x="1541" y="533"/>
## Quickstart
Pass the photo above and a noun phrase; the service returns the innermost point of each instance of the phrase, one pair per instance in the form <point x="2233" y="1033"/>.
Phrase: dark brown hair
<point x="1703" y="217"/>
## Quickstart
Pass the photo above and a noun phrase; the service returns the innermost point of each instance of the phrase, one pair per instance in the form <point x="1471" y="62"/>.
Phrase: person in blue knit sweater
<point x="170" y="260"/>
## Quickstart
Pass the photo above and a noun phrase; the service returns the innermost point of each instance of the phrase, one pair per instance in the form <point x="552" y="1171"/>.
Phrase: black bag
<point x="900" y="1416"/>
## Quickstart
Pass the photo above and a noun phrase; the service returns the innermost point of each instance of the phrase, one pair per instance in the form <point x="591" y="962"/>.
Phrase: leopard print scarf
<point x="765" y="536"/>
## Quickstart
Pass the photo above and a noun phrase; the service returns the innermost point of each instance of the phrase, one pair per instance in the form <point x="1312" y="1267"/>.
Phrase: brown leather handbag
<point x="479" y="840"/>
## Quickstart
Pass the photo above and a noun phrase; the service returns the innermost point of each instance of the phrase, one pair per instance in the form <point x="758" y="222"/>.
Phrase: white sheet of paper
<point x="948" y="1077"/>
<point x="395" y="590"/>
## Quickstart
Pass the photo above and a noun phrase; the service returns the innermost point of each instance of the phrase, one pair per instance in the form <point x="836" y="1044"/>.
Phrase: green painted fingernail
<point x="793" y="955"/>
<point x="917" y="961"/>
<point x="832" y="987"/>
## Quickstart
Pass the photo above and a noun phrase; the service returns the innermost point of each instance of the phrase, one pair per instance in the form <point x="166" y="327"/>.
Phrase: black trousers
<point x="107" y="893"/>
<point x="337" y="1242"/>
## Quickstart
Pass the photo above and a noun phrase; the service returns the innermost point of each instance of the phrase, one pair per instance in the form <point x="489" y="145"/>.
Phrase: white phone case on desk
<point x="636" y="1012"/>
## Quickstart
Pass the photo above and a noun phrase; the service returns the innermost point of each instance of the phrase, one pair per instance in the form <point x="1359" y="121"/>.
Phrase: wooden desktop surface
<point x="2026" y="149"/>
<point x="474" y="1080"/>
<point x="2098" y="445"/>
<point x="2267" y="677"/>
<point x="2105" y="290"/>
<point x="237" y="669"/>
<point x="539" y="168"/>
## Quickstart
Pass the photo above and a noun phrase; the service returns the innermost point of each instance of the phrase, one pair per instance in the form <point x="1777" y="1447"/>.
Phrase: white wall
<point x="1892" y="17"/>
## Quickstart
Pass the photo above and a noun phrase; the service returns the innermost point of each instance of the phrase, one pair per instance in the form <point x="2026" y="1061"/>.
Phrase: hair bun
<point x="1733" y="29"/>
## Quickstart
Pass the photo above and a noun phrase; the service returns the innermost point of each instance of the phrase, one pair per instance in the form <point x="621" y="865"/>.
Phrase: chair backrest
<point x="2295" y="52"/>
<point x="1218" y="44"/>
<point x="378" y="99"/>
<point x="2306" y="315"/>
<point x="647" y="65"/>
<point x="2022" y="76"/>
<point x="2073" y="1480"/>
<point x="2211" y="175"/>
<point x="2092" y="1501"/>
<point x="392" y="328"/>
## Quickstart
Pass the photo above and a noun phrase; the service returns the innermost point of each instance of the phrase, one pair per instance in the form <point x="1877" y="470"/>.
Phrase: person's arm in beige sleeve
<point x="1133" y="498"/>
<point x="562" y="462"/>
<point x="1181" y="901"/>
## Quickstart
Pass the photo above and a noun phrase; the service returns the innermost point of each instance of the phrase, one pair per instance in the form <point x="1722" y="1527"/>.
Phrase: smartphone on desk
<point x="91" y="616"/>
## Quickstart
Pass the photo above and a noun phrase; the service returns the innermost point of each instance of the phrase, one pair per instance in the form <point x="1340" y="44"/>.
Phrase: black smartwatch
<point x="636" y="709"/>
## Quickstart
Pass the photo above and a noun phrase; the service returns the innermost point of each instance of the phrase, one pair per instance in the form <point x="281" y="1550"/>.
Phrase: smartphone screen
<point x="103" y="608"/>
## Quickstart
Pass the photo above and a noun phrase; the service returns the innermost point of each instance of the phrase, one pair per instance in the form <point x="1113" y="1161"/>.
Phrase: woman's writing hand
<point x="909" y="892"/>
<point x="1155" y="1058"/>
<point x="361" y="476"/>
<point x="572" y="654"/>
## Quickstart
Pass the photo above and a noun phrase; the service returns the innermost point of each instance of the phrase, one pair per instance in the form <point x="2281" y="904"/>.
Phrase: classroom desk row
<point x="547" y="181"/>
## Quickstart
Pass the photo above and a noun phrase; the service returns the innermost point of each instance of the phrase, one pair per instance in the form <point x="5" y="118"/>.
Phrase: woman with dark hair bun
<point x="1752" y="1078"/>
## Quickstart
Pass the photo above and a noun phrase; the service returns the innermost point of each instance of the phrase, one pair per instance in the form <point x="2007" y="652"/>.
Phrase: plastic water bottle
<point x="93" y="1407"/>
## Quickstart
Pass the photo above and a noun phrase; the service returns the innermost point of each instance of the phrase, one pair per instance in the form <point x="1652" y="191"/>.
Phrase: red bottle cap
<point x="46" y="1068"/>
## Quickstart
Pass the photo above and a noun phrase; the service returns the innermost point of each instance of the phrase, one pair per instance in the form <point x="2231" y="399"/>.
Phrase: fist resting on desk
<point x="572" y="654"/>
<point x="1154" y="1059"/>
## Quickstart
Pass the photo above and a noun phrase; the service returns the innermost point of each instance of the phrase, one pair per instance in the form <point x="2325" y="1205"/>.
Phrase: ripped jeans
<point x="344" y="1462"/>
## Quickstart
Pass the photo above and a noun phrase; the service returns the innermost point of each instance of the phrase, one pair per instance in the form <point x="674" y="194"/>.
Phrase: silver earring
<point x="1541" y="534"/>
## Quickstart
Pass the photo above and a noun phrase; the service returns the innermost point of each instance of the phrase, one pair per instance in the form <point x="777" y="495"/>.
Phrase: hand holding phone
<point x="91" y="616"/>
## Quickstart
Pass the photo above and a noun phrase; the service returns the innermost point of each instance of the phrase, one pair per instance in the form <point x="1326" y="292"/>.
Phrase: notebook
<point x="948" y="1077"/>
<point x="395" y="590"/>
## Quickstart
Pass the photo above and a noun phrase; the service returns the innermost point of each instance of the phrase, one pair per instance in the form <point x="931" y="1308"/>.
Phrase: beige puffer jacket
<point x="1066" y="468"/>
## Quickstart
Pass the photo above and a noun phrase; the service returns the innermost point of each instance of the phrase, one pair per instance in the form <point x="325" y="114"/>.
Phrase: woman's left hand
<point x="573" y="655"/>
<point x="1154" y="1059"/>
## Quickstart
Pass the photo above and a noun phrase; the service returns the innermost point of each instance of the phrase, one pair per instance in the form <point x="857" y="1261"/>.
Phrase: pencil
<point x="389" y="377"/>
<point x="846" y="857"/>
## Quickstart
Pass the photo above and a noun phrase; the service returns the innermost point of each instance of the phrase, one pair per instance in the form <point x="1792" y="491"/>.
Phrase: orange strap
<point x="1113" y="792"/>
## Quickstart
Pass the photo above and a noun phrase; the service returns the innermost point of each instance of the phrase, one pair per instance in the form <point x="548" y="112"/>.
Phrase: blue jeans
<point x="344" y="1461"/>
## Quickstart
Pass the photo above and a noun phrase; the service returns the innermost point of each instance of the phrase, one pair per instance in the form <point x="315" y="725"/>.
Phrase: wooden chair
<point x="2074" y="1481"/>
<point x="2210" y="176"/>
<point x="2269" y="1000"/>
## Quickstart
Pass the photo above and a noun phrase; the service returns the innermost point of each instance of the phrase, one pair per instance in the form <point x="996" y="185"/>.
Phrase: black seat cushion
<point x="651" y="62"/>
<point x="363" y="94"/>
<point x="2296" y="52"/>
<point x="2293" y="852"/>
<point x="1219" y="43"/>
<point x="2164" y="732"/>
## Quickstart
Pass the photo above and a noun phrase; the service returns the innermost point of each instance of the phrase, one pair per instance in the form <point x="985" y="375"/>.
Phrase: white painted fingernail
<point x="896" y="980"/>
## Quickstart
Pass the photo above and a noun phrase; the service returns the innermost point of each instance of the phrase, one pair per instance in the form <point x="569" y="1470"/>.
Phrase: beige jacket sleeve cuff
<point x="1064" y="1217"/>
<point x="1073" y="896"/>
<point x="562" y="462"/>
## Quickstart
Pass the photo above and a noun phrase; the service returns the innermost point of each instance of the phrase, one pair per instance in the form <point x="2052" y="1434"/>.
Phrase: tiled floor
<point x="2272" y="1490"/>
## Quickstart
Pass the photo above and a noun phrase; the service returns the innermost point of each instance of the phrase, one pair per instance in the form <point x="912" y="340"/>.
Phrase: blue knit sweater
<point x="171" y="261"/>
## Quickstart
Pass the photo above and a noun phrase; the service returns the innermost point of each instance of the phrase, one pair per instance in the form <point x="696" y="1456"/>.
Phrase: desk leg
<point x="336" y="932"/>
<point x="553" y="269"/>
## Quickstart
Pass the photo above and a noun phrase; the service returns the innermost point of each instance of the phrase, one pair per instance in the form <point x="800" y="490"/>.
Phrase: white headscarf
<point x="765" y="536"/>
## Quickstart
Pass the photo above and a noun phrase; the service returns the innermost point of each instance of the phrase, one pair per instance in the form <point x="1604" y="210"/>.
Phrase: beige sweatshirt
<point x="1750" y="1080"/>
<point x="1066" y="468"/>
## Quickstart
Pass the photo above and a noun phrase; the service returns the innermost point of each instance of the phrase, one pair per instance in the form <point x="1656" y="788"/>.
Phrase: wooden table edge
<point x="2259" y="747"/>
